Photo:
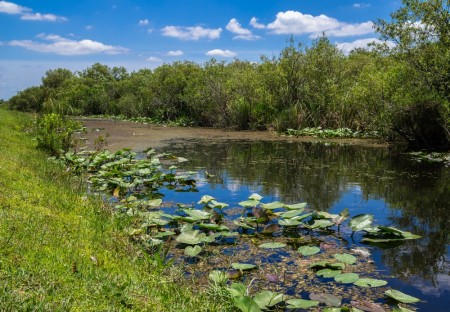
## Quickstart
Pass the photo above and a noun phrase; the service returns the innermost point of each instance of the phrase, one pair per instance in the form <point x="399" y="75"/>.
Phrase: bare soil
<point x="138" y="136"/>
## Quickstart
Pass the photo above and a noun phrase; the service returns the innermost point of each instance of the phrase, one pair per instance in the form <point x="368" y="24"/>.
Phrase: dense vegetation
<point x="402" y="91"/>
<point x="63" y="250"/>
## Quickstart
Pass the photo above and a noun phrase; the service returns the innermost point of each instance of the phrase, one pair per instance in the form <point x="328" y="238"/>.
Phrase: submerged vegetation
<point x="400" y="90"/>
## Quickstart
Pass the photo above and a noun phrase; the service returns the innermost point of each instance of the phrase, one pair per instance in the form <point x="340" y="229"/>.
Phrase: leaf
<point x="296" y="206"/>
<point x="328" y="273"/>
<point x="288" y="222"/>
<point x="197" y="214"/>
<point x="266" y="299"/>
<point x="273" y="205"/>
<point x="370" y="282"/>
<point x="154" y="202"/>
<point x="399" y="296"/>
<point x="269" y="229"/>
<point x="308" y="250"/>
<point x="164" y="234"/>
<point x="191" y="237"/>
<point x="249" y="203"/>
<point x="291" y="214"/>
<point x="361" y="221"/>
<point x="321" y="223"/>
<point x="399" y="308"/>
<point x="218" y="277"/>
<point x="213" y="227"/>
<point x="192" y="251"/>
<point x="272" y="245"/>
<point x="301" y="304"/>
<point x="338" y="265"/>
<point x="328" y="299"/>
<point x="243" y="266"/>
<point x="346" y="258"/>
<point x="246" y="304"/>
<point x="255" y="196"/>
<point x="205" y="199"/>
<point x="346" y="278"/>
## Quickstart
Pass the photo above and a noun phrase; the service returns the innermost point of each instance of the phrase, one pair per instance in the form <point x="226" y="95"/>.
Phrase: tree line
<point x="400" y="92"/>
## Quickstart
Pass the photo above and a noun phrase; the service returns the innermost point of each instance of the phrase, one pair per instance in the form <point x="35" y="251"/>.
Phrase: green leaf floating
<point x="346" y="278"/>
<point x="328" y="273"/>
<point x="243" y="266"/>
<point x="295" y="206"/>
<point x="361" y="221"/>
<point x="273" y="205"/>
<point x="301" y="304"/>
<point x="328" y="299"/>
<point x="272" y="245"/>
<point x="346" y="258"/>
<point x="308" y="250"/>
<point x="370" y="282"/>
<point x="192" y="251"/>
<point x="399" y="296"/>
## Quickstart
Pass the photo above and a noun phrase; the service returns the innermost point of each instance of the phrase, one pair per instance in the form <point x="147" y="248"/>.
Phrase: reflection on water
<point x="381" y="181"/>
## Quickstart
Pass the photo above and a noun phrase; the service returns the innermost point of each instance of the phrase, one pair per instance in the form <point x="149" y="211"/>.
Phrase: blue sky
<point x="36" y="36"/>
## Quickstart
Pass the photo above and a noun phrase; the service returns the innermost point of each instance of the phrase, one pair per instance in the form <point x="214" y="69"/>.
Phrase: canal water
<point x="408" y="195"/>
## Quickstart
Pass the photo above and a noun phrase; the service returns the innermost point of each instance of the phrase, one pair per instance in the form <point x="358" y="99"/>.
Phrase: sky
<point x="39" y="35"/>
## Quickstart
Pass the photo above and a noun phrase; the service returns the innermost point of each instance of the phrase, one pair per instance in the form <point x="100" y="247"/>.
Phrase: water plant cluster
<point x="190" y="235"/>
<point x="333" y="133"/>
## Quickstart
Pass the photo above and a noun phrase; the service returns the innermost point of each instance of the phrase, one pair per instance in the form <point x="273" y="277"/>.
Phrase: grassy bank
<point x="63" y="250"/>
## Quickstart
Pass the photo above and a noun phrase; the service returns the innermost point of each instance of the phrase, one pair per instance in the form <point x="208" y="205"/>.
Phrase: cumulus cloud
<point x="153" y="59"/>
<point x="254" y="23"/>
<point x="191" y="33"/>
<point x="297" y="23"/>
<point x="64" y="46"/>
<point x="89" y="27"/>
<point x="346" y="47"/>
<point x="235" y="27"/>
<point x="27" y="13"/>
<point x="222" y="53"/>
<point x="143" y="22"/>
<point x="175" y="53"/>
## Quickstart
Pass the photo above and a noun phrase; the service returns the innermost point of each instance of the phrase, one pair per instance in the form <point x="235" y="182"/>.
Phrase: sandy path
<point x="137" y="136"/>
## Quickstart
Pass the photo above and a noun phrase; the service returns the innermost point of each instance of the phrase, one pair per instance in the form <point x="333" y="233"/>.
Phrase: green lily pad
<point x="346" y="278"/>
<point x="192" y="251"/>
<point x="328" y="273"/>
<point x="205" y="199"/>
<point x="255" y="196"/>
<point x="337" y="265"/>
<point x="249" y="203"/>
<point x="291" y="214"/>
<point x="320" y="264"/>
<point x="370" y="282"/>
<point x="197" y="214"/>
<point x="328" y="299"/>
<point x="301" y="304"/>
<point x="243" y="266"/>
<point x="295" y="206"/>
<point x="272" y="245"/>
<point x="346" y="258"/>
<point x="191" y="237"/>
<point x="266" y="299"/>
<point x="164" y="234"/>
<point x="273" y="205"/>
<point x="154" y="202"/>
<point x="308" y="250"/>
<point x="213" y="227"/>
<point x="288" y="222"/>
<point x="321" y="223"/>
<point x="361" y="221"/>
<point x="399" y="308"/>
<point x="402" y="297"/>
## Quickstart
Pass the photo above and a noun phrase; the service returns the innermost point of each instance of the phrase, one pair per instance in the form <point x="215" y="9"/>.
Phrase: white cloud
<point x="222" y="53"/>
<point x="191" y="33"/>
<point x="175" y="53"/>
<point x="63" y="46"/>
<point x="89" y="27"/>
<point x="12" y="8"/>
<point x="346" y="47"/>
<point x="297" y="23"/>
<point x="255" y="24"/>
<point x="143" y="22"/>
<point x="153" y="59"/>
<point x="27" y="14"/>
<point x="361" y="5"/>
<point x="241" y="33"/>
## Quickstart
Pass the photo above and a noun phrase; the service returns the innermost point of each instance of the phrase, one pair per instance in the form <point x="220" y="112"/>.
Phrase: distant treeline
<point x="399" y="92"/>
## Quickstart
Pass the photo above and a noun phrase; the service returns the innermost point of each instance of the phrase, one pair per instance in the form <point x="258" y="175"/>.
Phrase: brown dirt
<point x="137" y="136"/>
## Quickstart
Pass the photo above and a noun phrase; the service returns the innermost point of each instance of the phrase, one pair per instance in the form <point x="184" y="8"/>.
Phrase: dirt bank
<point x="137" y="136"/>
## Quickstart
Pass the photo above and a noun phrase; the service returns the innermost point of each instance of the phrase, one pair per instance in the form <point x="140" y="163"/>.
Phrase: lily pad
<point x="192" y="251"/>
<point x="288" y="222"/>
<point x="370" y="282"/>
<point x="249" y="203"/>
<point x="266" y="299"/>
<point x="243" y="266"/>
<point x="191" y="237"/>
<point x="361" y="221"/>
<point x="205" y="199"/>
<point x="308" y="250"/>
<point x="401" y="297"/>
<point x="346" y="258"/>
<point x="321" y="223"/>
<point x="154" y="202"/>
<point x="273" y="205"/>
<point x="328" y="299"/>
<point x="301" y="304"/>
<point x="328" y="273"/>
<point x="346" y="278"/>
<point x="291" y="214"/>
<point x="213" y="226"/>
<point x="197" y="214"/>
<point x="295" y="206"/>
<point x="272" y="245"/>
<point x="255" y="196"/>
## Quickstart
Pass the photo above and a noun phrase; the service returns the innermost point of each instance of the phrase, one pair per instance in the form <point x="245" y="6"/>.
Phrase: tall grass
<point x="62" y="250"/>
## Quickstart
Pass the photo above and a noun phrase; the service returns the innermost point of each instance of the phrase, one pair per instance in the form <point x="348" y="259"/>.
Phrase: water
<point x="380" y="181"/>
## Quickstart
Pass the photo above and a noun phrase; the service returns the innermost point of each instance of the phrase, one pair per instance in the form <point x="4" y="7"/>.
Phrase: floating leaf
<point x="243" y="225"/>
<point x="328" y="299"/>
<point x="205" y="199"/>
<point x="192" y="251"/>
<point x="338" y="265"/>
<point x="325" y="215"/>
<point x="272" y="245"/>
<point x="361" y="221"/>
<point x="301" y="304"/>
<point x="164" y="234"/>
<point x="249" y="203"/>
<point x="154" y="202"/>
<point x="243" y="266"/>
<point x="321" y="223"/>
<point x="255" y="196"/>
<point x="191" y="237"/>
<point x="370" y="282"/>
<point x="346" y="278"/>
<point x="399" y="308"/>
<point x="399" y="296"/>
<point x="213" y="227"/>
<point x="288" y="222"/>
<point x="320" y="264"/>
<point x="197" y="214"/>
<point x="291" y="214"/>
<point x="218" y="205"/>
<point x="273" y="205"/>
<point x="346" y="258"/>
<point x="328" y="273"/>
<point x="295" y="206"/>
<point x="266" y="299"/>
<point x="308" y="250"/>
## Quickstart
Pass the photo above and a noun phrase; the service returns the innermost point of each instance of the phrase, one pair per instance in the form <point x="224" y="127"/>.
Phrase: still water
<point x="380" y="181"/>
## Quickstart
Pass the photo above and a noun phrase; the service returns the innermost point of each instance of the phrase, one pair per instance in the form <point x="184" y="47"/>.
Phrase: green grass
<point x="62" y="250"/>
